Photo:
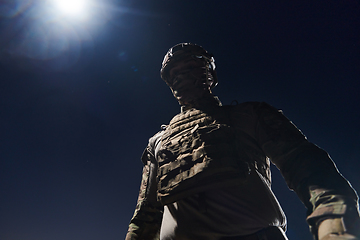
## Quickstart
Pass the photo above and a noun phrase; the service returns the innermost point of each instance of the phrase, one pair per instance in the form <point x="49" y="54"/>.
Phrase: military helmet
<point x="182" y="51"/>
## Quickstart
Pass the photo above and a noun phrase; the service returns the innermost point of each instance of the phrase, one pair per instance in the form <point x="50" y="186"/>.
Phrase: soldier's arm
<point x="146" y="221"/>
<point x="307" y="169"/>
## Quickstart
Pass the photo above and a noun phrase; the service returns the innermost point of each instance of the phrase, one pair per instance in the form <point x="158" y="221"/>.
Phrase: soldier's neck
<point x="205" y="102"/>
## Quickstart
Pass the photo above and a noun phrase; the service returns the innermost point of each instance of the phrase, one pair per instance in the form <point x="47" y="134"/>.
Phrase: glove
<point x="337" y="229"/>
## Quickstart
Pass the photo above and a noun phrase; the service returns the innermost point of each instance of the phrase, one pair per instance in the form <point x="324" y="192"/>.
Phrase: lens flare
<point x="71" y="7"/>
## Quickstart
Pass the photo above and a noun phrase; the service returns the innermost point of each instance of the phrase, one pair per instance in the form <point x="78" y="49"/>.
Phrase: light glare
<point x="72" y="7"/>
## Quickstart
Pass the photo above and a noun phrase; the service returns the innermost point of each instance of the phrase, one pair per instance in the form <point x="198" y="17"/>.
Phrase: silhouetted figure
<point x="207" y="174"/>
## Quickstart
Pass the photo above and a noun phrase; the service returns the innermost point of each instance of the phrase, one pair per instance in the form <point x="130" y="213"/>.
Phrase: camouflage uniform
<point x="211" y="146"/>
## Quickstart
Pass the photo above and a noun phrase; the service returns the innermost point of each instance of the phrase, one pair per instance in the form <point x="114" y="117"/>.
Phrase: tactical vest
<point x="203" y="149"/>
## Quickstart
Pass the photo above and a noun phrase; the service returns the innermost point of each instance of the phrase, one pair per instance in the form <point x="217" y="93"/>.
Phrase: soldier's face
<point x="188" y="80"/>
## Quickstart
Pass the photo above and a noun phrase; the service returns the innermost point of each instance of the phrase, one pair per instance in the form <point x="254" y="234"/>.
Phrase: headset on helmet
<point x="182" y="51"/>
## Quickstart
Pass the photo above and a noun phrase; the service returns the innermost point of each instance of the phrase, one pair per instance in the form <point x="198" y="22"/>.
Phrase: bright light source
<point x="71" y="7"/>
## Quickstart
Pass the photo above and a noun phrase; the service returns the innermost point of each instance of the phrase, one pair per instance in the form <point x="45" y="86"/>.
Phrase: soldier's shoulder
<point x="157" y="135"/>
<point x="252" y="108"/>
<point x="149" y="151"/>
<point x="255" y="104"/>
<point x="248" y="106"/>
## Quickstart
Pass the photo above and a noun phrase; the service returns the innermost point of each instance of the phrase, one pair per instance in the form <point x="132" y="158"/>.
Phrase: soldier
<point x="207" y="174"/>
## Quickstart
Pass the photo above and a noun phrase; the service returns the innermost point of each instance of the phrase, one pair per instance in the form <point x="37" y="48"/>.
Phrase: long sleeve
<point x="146" y="221"/>
<point x="306" y="168"/>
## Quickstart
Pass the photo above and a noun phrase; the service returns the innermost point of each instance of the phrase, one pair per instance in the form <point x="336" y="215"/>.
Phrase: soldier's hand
<point x="336" y="229"/>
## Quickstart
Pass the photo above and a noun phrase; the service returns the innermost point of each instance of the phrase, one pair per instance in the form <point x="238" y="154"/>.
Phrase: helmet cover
<point x="182" y="51"/>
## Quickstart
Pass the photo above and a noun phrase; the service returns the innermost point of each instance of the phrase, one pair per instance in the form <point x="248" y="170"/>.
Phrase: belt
<point x="269" y="233"/>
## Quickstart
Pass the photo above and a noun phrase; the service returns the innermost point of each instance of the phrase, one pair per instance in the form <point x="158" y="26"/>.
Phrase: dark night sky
<point x="78" y="101"/>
